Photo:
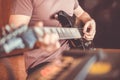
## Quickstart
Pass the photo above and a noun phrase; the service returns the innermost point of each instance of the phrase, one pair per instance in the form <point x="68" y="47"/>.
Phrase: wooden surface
<point x="16" y="66"/>
<point x="105" y="65"/>
<point x="5" y="6"/>
<point x="0" y="14"/>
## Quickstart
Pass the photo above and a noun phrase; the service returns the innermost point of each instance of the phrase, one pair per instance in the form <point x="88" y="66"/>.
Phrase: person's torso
<point x="44" y="9"/>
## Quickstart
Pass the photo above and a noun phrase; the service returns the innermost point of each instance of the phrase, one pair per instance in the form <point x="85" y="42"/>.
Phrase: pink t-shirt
<point x="41" y="10"/>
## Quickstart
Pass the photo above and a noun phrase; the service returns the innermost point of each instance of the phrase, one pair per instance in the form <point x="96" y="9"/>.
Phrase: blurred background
<point x="105" y="12"/>
<point x="107" y="16"/>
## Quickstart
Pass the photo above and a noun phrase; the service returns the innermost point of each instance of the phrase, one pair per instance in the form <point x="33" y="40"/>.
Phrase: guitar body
<point x="69" y="21"/>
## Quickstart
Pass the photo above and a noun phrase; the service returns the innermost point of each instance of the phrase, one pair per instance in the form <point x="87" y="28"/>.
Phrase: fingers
<point x="50" y="38"/>
<point x="39" y="24"/>
<point x="51" y="48"/>
<point x="89" y="37"/>
<point x="50" y="42"/>
<point x="89" y="30"/>
<point x="86" y="26"/>
<point x="47" y="41"/>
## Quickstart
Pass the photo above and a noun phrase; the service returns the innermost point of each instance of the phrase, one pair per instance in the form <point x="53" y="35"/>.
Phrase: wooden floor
<point x="12" y="66"/>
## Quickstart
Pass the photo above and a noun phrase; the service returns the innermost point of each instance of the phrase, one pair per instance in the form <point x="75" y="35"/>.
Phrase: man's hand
<point x="49" y="41"/>
<point x="89" y="30"/>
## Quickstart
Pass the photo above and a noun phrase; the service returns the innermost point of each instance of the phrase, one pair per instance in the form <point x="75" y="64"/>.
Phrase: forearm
<point x="89" y="28"/>
<point x="17" y="20"/>
<point x="85" y="17"/>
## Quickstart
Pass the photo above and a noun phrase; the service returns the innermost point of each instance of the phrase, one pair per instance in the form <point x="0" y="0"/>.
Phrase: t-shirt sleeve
<point x="22" y="7"/>
<point x="78" y="9"/>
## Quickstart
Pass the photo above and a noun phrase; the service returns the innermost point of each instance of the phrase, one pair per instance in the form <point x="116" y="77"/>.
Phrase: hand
<point x="89" y="30"/>
<point x="49" y="41"/>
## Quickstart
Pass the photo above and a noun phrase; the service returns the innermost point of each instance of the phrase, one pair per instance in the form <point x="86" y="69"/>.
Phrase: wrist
<point x="88" y="20"/>
<point x="85" y="17"/>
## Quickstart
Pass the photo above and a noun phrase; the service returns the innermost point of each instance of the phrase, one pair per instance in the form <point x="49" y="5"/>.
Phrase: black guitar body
<point x="69" y="21"/>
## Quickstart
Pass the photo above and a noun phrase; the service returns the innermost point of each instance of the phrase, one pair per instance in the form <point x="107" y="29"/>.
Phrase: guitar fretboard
<point x="25" y="37"/>
<point x="63" y="33"/>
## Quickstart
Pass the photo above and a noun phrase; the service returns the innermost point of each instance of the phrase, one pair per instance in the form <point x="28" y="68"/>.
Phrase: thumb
<point x="39" y="24"/>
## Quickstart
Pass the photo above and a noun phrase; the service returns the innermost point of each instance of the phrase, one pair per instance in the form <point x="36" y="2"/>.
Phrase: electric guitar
<point x="71" y="22"/>
<point x="26" y="37"/>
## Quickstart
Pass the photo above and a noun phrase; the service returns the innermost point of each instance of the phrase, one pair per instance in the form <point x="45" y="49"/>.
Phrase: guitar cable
<point x="82" y="43"/>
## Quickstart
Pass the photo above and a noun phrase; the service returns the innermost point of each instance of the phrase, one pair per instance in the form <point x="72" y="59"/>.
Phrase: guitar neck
<point x="63" y="33"/>
<point x="25" y="37"/>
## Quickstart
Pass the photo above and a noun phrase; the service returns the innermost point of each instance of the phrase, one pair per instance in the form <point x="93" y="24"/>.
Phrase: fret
<point x="68" y="33"/>
<point x="59" y="32"/>
<point x="75" y="33"/>
<point x="63" y="32"/>
<point x="39" y="31"/>
<point x="70" y="30"/>
<point x="47" y="30"/>
<point x="53" y="30"/>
